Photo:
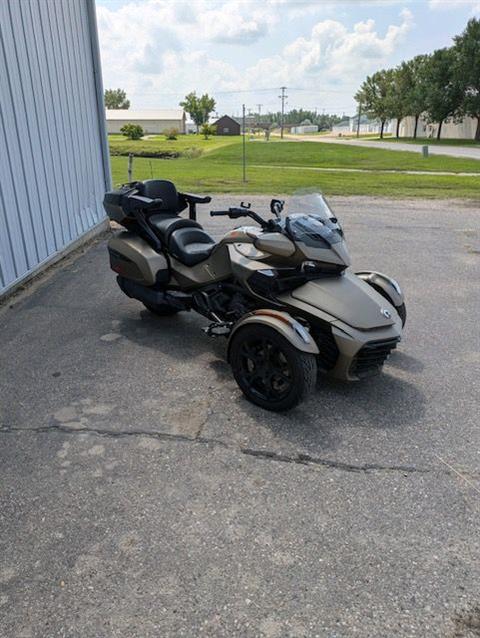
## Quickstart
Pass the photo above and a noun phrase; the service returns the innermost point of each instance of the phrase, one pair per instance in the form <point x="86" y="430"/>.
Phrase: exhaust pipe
<point x="153" y="297"/>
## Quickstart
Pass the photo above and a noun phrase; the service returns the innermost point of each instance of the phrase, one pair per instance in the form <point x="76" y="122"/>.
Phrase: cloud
<point x="237" y="22"/>
<point x="135" y="37"/>
<point x="158" y="50"/>
<point x="445" y="5"/>
<point x="332" y="52"/>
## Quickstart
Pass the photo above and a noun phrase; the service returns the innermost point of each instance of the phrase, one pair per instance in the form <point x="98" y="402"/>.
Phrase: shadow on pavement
<point x="337" y="410"/>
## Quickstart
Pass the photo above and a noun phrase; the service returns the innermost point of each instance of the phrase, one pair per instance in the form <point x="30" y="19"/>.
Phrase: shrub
<point x="171" y="133"/>
<point x="132" y="131"/>
<point x="207" y="130"/>
<point x="192" y="153"/>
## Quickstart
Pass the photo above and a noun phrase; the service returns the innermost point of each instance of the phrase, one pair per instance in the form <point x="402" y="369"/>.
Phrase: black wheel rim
<point x="264" y="369"/>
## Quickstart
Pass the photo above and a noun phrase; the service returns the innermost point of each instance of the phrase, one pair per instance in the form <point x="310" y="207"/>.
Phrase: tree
<point x="116" y="99"/>
<point x="467" y="70"/>
<point x="410" y="90"/>
<point x="207" y="130"/>
<point x="399" y="88"/>
<point x="414" y="84"/>
<point x="443" y="89"/>
<point x="199" y="108"/>
<point x="377" y="96"/>
<point x="132" y="131"/>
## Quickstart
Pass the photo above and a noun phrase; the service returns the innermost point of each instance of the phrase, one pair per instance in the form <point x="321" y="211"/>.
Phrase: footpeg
<point x="218" y="329"/>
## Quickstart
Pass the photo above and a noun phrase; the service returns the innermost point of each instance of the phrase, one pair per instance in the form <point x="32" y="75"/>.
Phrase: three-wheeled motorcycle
<point x="281" y="291"/>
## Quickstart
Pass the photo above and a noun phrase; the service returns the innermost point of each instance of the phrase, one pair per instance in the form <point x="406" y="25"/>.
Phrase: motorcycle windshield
<point x="311" y="220"/>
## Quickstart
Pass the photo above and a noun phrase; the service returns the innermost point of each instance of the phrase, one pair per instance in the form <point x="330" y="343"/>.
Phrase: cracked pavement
<point x="141" y="495"/>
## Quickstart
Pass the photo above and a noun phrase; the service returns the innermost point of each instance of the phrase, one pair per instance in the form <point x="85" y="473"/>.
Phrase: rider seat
<point x="184" y="238"/>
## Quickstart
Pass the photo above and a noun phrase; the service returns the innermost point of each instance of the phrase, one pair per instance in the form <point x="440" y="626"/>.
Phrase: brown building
<point x="226" y="125"/>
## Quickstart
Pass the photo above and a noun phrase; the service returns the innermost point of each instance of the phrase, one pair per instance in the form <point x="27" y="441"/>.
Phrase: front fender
<point x="283" y="323"/>
<point x="385" y="284"/>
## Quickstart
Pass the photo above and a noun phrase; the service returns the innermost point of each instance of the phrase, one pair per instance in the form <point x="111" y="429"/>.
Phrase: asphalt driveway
<point x="142" y="496"/>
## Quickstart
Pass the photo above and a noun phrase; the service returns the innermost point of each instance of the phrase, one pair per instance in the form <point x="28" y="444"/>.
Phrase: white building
<point x="152" y="121"/>
<point x="349" y="126"/>
<point x="304" y="128"/>
<point x="342" y="127"/>
<point x="54" y="165"/>
<point x="465" y="129"/>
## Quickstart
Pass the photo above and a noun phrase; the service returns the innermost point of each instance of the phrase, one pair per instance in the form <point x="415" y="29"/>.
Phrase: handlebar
<point x="235" y="213"/>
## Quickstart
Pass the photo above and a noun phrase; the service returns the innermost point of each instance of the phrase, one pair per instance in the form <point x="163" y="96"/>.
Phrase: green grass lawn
<point x="430" y="141"/>
<point x="159" y="146"/>
<point x="220" y="170"/>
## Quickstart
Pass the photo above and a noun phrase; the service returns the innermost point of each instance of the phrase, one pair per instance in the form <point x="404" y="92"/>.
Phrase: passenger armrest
<point x="196" y="199"/>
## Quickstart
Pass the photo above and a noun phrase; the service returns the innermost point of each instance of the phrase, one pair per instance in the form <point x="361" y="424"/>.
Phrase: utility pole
<point x="283" y="97"/>
<point x="244" y="141"/>
<point x="259" y="107"/>
<point x="358" y="118"/>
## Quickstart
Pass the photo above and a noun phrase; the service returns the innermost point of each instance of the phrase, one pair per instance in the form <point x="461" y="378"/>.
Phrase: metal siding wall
<point x="52" y="173"/>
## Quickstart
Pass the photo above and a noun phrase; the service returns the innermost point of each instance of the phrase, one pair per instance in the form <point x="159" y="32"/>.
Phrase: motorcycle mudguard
<point x="385" y="284"/>
<point x="283" y="323"/>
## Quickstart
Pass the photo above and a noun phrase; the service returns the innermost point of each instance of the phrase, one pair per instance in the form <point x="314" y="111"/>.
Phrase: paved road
<point x="451" y="151"/>
<point x="142" y="496"/>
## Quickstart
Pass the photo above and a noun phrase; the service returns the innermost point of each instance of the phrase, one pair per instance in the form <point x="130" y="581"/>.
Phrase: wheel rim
<point x="264" y="369"/>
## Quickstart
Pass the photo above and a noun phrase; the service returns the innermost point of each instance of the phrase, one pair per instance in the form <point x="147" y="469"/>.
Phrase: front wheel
<point x="269" y="370"/>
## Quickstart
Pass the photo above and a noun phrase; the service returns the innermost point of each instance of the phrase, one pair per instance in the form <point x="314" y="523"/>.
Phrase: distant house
<point x="304" y="127"/>
<point x="226" y="125"/>
<point x="152" y="121"/>
<point x="342" y="127"/>
<point x="350" y="125"/>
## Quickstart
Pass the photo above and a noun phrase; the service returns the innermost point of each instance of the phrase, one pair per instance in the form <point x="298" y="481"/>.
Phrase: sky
<point x="242" y="52"/>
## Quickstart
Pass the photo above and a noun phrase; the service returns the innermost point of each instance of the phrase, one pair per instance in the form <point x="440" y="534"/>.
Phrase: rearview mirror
<point x="276" y="206"/>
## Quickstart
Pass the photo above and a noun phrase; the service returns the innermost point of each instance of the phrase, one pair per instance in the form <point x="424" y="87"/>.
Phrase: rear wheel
<point x="161" y="310"/>
<point x="269" y="370"/>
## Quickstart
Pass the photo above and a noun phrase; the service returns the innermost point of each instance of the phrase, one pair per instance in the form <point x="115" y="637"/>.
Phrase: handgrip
<point x="217" y="213"/>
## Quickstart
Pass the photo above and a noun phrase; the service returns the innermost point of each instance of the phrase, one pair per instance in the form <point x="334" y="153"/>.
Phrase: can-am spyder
<point x="280" y="291"/>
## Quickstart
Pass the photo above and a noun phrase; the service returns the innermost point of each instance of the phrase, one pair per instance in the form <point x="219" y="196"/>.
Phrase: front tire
<point x="269" y="370"/>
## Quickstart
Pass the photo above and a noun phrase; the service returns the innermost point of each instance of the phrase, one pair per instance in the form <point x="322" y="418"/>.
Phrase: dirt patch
<point x="467" y="622"/>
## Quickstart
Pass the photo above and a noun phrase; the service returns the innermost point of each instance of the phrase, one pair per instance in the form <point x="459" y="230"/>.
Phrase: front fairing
<point x="347" y="299"/>
<point x="335" y="254"/>
<point x="311" y="224"/>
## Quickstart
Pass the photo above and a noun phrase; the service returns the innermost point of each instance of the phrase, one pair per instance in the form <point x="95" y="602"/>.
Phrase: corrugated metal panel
<point x="53" y="158"/>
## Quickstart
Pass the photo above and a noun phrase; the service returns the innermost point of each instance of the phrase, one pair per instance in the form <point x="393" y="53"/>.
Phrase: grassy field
<point x="318" y="154"/>
<point x="283" y="167"/>
<point x="159" y="146"/>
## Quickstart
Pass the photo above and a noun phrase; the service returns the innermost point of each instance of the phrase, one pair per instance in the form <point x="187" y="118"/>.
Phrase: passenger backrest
<point x="165" y="189"/>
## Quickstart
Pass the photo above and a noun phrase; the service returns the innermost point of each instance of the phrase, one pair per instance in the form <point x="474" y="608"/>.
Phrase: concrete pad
<point x="142" y="495"/>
